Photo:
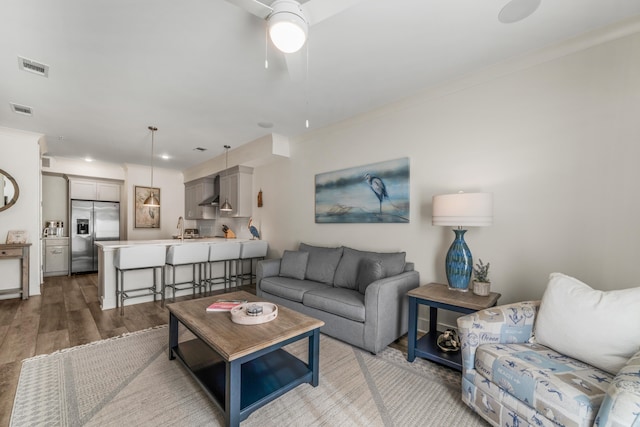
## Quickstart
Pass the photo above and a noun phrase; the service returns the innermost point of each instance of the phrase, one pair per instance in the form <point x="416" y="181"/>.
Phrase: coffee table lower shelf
<point x="427" y="347"/>
<point x="262" y="379"/>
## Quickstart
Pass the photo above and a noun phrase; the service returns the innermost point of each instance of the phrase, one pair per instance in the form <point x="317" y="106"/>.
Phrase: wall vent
<point x="46" y="162"/>
<point x="199" y="149"/>
<point x="33" y="66"/>
<point x="21" y="109"/>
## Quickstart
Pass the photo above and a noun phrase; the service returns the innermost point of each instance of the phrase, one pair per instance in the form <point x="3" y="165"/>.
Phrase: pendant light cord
<point x="153" y="130"/>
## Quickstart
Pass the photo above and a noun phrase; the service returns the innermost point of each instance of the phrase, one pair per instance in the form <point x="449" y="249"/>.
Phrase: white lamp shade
<point x="287" y="26"/>
<point x="463" y="209"/>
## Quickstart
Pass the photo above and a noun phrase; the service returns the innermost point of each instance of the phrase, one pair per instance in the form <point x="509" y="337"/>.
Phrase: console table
<point x="20" y="251"/>
<point x="436" y="295"/>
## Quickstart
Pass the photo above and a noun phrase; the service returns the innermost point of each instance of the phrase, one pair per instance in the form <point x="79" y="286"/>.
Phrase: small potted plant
<point x="481" y="282"/>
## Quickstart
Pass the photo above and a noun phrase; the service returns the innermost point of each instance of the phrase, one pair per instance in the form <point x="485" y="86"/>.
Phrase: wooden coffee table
<point x="243" y="367"/>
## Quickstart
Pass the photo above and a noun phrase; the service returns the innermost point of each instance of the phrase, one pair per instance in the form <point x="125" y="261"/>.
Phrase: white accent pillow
<point x="596" y="327"/>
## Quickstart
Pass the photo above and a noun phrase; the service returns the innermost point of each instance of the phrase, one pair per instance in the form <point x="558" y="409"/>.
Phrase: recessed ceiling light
<point x="265" y="125"/>
<point x="88" y="159"/>
<point x="517" y="10"/>
<point x="165" y="156"/>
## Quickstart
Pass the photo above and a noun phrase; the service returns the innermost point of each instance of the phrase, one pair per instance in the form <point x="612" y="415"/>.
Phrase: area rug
<point x="129" y="380"/>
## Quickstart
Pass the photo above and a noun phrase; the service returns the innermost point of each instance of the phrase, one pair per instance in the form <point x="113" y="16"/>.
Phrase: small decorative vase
<point x="459" y="263"/>
<point x="481" y="288"/>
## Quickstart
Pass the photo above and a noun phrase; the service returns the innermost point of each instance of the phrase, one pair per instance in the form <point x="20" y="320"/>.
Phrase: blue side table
<point x="435" y="296"/>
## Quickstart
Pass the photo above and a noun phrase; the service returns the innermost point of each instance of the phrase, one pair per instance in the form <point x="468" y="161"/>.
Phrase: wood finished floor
<point x="66" y="314"/>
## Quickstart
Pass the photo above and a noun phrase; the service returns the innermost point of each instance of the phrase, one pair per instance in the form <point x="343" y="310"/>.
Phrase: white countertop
<point x="114" y="244"/>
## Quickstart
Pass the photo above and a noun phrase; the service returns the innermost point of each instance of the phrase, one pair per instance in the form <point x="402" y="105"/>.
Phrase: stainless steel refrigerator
<point x="91" y="222"/>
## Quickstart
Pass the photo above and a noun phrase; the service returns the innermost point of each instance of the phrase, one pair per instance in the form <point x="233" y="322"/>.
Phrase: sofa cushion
<point x="291" y="289"/>
<point x="294" y="264"/>
<point x="341" y="302"/>
<point x="599" y="328"/>
<point x="620" y="405"/>
<point x="369" y="271"/>
<point x="563" y="389"/>
<point x="347" y="271"/>
<point x="322" y="263"/>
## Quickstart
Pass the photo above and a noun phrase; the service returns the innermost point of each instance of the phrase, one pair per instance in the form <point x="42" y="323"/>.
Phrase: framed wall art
<point x="146" y="216"/>
<point x="17" y="236"/>
<point x="377" y="192"/>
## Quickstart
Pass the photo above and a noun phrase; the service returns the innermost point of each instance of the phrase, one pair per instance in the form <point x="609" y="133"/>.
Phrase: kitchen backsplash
<point x="213" y="227"/>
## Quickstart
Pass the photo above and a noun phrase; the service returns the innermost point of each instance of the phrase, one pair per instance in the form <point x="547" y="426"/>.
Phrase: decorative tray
<point x="254" y="313"/>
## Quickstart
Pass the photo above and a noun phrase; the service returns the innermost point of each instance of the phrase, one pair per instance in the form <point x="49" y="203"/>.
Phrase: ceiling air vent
<point x="21" y="109"/>
<point x="33" y="66"/>
<point x="46" y="162"/>
<point x="199" y="149"/>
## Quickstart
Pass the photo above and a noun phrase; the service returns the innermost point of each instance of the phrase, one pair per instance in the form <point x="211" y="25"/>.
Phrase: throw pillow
<point x="369" y="271"/>
<point x="322" y="263"/>
<point x="347" y="271"/>
<point x="294" y="264"/>
<point x="596" y="327"/>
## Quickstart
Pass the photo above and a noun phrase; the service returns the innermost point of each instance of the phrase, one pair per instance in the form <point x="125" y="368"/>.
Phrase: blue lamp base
<point x="459" y="263"/>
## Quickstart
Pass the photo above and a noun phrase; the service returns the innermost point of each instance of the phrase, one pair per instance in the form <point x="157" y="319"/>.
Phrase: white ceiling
<point x="195" y="68"/>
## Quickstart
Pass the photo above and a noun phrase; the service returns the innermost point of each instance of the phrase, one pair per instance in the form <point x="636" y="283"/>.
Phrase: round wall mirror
<point x="9" y="191"/>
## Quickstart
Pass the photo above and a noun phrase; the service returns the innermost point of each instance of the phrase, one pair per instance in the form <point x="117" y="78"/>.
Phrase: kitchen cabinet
<point x="194" y="193"/>
<point x="107" y="191"/>
<point x="236" y="185"/>
<point x="56" y="257"/>
<point x="85" y="190"/>
<point x="81" y="189"/>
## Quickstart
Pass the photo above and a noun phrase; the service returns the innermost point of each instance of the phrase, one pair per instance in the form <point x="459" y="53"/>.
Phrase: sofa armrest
<point x="266" y="268"/>
<point x="510" y="323"/>
<point x="387" y="309"/>
<point x="621" y="404"/>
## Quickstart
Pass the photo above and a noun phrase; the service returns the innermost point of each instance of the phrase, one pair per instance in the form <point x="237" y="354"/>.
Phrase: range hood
<point x="215" y="199"/>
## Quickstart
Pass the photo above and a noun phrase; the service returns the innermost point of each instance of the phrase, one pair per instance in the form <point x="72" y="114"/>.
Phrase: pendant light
<point x="152" y="200"/>
<point x="226" y="206"/>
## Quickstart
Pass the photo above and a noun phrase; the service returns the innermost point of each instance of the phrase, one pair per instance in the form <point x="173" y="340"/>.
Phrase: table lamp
<point x="461" y="210"/>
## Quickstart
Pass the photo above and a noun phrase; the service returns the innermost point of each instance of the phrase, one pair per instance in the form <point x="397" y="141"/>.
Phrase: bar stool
<point x="228" y="253"/>
<point x="138" y="258"/>
<point x="193" y="254"/>
<point x="250" y="250"/>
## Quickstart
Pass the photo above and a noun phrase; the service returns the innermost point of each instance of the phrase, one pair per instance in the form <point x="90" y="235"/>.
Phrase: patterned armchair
<point x="510" y="380"/>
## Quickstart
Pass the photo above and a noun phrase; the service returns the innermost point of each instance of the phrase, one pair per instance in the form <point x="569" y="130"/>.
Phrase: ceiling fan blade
<point x="319" y="10"/>
<point x="253" y="7"/>
<point x="297" y="65"/>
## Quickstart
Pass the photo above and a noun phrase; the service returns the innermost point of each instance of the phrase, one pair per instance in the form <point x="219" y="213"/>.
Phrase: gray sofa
<point x="361" y="296"/>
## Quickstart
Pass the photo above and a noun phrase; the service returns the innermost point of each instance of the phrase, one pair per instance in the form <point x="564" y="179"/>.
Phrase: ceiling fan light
<point x="287" y="27"/>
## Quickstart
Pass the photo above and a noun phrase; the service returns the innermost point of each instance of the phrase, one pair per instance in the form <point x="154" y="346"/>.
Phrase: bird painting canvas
<point x="376" y="192"/>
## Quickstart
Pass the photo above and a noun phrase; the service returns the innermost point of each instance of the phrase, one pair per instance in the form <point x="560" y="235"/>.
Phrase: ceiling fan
<point x="288" y="24"/>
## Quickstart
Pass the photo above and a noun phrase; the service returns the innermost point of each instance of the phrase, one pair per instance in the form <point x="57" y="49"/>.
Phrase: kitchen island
<point x="107" y="271"/>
